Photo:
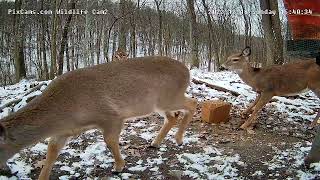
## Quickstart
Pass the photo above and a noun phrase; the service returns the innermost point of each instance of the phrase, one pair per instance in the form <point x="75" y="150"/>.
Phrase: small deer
<point x="120" y="55"/>
<point x="102" y="97"/>
<point x="279" y="80"/>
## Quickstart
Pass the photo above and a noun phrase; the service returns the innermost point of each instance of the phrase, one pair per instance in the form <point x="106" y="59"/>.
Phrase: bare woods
<point x="44" y="45"/>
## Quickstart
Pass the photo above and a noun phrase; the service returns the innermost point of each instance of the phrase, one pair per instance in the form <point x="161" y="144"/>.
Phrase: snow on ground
<point x="293" y="158"/>
<point x="87" y="155"/>
<point x="304" y="107"/>
<point x="17" y="91"/>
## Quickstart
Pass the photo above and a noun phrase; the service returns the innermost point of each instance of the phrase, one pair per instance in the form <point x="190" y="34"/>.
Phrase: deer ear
<point x="246" y="51"/>
<point x="2" y="134"/>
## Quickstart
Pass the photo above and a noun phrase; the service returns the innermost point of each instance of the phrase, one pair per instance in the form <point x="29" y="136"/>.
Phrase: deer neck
<point x="248" y="74"/>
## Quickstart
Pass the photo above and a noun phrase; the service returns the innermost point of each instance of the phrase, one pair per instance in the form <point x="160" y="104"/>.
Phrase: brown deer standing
<point x="120" y="55"/>
<point x="103" y="97"/>
<point x="285" y="80"/>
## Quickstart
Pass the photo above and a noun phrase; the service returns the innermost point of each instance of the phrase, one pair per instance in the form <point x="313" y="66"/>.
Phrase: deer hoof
<point x="179" y="140"/>
<point x="118" y="166"/>
<point x="244" y="115"/>
<point x="248" y="127"/>
<point x="153" y="146"/>
<point x="250" y="131"/>
<point x="244" y="126"/>
<point x="314" y="124"/>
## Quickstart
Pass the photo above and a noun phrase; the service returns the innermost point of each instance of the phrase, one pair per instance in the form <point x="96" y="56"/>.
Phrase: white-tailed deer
<point x="103" y="97"/>
<point x="120" y="55"/>
<point x="279" y="80"/>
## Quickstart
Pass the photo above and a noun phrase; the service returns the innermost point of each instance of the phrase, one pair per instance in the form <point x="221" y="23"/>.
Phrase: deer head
<point x="120" y="55"/>
<point x="237" y="62"/>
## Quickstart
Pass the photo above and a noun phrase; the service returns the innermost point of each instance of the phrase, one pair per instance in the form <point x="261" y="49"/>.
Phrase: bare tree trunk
<point x="107" y="37"/>
<point x="67" y="56"/>
<point x="114" y="44"/>
<point x="278" y="45"/>
<point x="92" y="48"/>
<point x="246" y="24"/>
<point x="40" y="71"/>
<point x="272" y="33"/>
<point x="87" y="36"/>
<point x="73" y="51"/>
<point x="19" y="63"/>
<point x="144" y="43"/>
<point x="105" y="44"/>
<point x="43" y="46"/>
<point x="160" y="49"/>
<point x="64" y="41"/>
<point x="132" y="52"/>
<point x="167" y="41"/>
<point x="77" y="48"/>
<point x="98" y="43"/>
<point x="133" y="29"/>
<point x="210" y="27"/>
<point x="150" y="38"/>
<point x="123" y="32"/>
<point x="29" y="54"/>
<point x="53" y="68"/>
<point x="77" y="55"/>
<point x="193" y="34"/>
<point x="133" y="47"/>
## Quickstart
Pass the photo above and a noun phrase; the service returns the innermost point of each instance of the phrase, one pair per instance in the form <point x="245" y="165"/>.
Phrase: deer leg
<point x="245" y="113"/>
<point x="316" y="120"/>
<point x="190" y="106"/>
<point x="111" y="135"/>
<point x="55" y="145"/>
<point x="314" y="154"/>
<point x="263" y="100"/>
<point x="170" y="121"/>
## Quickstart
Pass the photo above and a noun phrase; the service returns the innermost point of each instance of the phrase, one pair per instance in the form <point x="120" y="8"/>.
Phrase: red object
<point x="304" y="18"/>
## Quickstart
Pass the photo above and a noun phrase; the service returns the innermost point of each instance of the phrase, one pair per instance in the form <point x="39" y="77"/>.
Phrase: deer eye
<point x="235" y="60"/>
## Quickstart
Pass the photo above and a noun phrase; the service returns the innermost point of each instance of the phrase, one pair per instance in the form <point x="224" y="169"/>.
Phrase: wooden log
<point x="37" y="87"/>
<point x="16" y="101"/>
<point x="218" y="88"/>
<point x="11" y="103"/>
<point x="215" y="111"/>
